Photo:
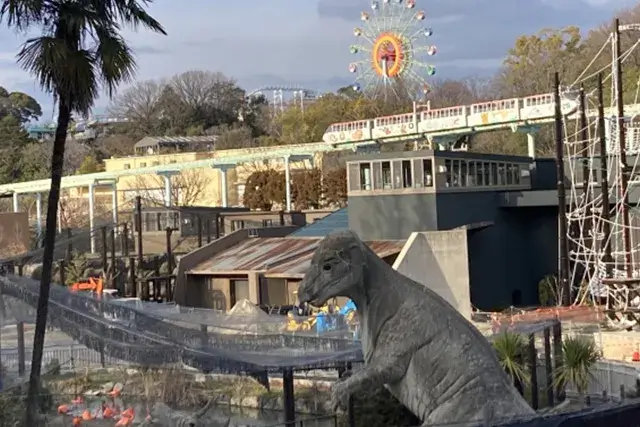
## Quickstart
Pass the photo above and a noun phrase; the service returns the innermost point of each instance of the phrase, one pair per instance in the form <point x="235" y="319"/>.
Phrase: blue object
<point x="338" y="220"/>
<point x="321" y="323"/>
<point x="349" y="306"/>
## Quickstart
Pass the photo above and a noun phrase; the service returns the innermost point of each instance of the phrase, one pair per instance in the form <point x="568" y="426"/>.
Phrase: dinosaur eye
<point x="326" y="267"/>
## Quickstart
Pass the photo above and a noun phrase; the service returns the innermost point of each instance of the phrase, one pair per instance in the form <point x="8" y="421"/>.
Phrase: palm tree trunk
<point x="57" y="163"/>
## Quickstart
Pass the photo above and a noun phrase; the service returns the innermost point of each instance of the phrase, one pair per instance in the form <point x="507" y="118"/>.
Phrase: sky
<point x="306" y="42"/>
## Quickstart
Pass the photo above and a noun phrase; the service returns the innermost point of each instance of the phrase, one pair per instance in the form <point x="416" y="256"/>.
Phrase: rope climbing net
<point x="604" y="243"/>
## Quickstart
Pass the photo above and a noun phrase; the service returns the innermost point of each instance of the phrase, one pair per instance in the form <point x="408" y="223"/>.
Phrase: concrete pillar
<point x="287" y="181"/>
<point x="39" y="213"/>
<point x="114" y="203"/>
<point x="16" y="208"/>
<point x="531" y="144"/>
<point x="224" y="188"/>
<point x="168" y="190"/>
<point x="92" y="216"/>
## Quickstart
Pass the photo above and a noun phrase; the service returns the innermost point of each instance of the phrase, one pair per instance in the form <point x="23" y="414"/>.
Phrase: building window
<point x="516" y="174"/>
<point x="486" y="173"/>
<point x="407" y="179"/>
<point x="502" y="178"/>
<point x="448" y="172"/>
<point x="365" y="176"/>
<point x="173" y="161"/>
<point x="494" y="174"/>
<point x="127" y="166"/>
<point x="387" y="183"/>
<point x="427" y="165"/>
<point x="143" y="164"/>
<point x="455" y="173"/>
<point x="510" y="176"/>
<point x="155" y="163"/>
<point x="472" y="176"/>
<point x="463" y="173"/>
<point x="239" y="290"/>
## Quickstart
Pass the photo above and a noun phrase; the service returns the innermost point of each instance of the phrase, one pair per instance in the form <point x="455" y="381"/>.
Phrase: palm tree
<point x="579" y="355"/>
<point x="511" y="349"/>
<point x="79" y="53"/>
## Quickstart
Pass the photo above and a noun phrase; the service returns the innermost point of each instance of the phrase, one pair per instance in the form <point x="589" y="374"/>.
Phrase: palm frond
<point x="21" y="14"/>
<point x="511" y="350"/>
<point x="114" y="59"/>
<point x="579" y="356"/>
<point x="129" y="12"/>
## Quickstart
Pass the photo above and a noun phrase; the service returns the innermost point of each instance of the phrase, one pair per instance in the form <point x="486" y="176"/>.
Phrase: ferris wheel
<point x="393" y="50"/>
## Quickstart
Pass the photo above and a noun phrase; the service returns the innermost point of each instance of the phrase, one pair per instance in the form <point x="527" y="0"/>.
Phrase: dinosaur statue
<point x="418" y="346"/>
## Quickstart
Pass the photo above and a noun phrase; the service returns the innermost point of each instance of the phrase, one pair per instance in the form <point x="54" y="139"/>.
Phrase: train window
<point x="377" y="175"/>
<point x="418" y="173"/>
<point x="455" y="173"/>
<point x="354" y="176"/>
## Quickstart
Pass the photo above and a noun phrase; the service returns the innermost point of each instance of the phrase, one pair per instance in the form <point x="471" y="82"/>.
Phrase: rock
<point x="107" y="387"/>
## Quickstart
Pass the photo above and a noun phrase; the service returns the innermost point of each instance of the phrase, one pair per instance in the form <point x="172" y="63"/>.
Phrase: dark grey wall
<point x="508" y="259"/>
<point x="392" y="217"/>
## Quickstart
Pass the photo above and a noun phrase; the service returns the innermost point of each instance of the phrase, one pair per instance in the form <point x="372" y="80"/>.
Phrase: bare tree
<point x="230" y="137"/>
<point x="141" y="104"/>
<point x="187" y="189"/>
<point x="74" y="211"/>
<point x="116" y="145"/>
<point x="35" y="161"/>
<point x="211" y="95"/>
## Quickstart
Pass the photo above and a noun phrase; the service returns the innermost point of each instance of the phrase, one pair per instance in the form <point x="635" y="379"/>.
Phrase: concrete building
<point x="206" y="186"/>
<point x="506" y="207"/>
<point x="263" y="266"/>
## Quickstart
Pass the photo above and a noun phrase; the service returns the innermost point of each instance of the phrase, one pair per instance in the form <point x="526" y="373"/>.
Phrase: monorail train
<point x="482" y="116"/>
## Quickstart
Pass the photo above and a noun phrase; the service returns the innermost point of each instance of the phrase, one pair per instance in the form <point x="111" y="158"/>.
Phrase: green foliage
<point x="18" y="105"/>
<point x="549" y="291"/>
<point x="76" y="268"/>
<point x="13" y="139"/>
<point x="511" y="349"/>
<point x="579" y="356"/>
<point x="90" y="165"/>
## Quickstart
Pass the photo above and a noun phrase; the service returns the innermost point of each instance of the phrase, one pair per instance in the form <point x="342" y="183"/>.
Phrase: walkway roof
<point x="73" y="181"/>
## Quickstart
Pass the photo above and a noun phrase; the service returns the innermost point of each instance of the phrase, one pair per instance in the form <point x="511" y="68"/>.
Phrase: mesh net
<point x="154" y="334"/>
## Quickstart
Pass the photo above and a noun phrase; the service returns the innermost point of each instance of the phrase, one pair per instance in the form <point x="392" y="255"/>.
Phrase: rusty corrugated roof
<point x="277" y="256"/>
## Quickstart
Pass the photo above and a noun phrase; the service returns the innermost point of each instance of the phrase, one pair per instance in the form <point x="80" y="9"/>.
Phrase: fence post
<point x="63" y="266"/>
<point x="199" y="231"/>
<point x="21" y="349"/>
<point x="125" y="240"/>
<point x="169" y="251"/>
<point x="114" y="265"/>
<point x="139" y="230"/>
<point x="288" y="398"/>
<point x="558" y="356"/>
<point x="69" y="245"/>
<point x="208" y="229"/>
<point x="105" y="249"/>
<point x="548" y="368"/>
<point x="132" y="278"/>
<point x="533" y="368"/>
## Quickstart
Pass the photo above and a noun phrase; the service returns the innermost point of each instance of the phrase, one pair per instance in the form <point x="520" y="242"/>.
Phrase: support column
<point x="39" y="214"/>
<point x="114" y="203"/>
<point x="531" y="145"/>
<point x="224" y="188"/>
<point x="16" y="208"/>
<point x="224" y="184"/>
<point x="92" y="217"/>
<point x="168" y="190"/>
<point x="287" y="181"/>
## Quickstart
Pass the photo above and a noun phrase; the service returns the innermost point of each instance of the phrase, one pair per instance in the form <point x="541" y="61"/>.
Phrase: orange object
<point x="636" y="356"/>
<point x="77" y="421"/>
<point x="94" y="284"/>
<point x="124" y="421"/>
<point x="114" y="393"/>
<point x="87" y="415"/>
<point x="63" y="409"/>
<point x="128" y="413"/>
<point x="108" y="412"/>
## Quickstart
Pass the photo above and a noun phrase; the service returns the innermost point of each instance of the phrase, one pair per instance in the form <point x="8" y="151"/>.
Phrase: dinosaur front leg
<point x="365" y="379"/>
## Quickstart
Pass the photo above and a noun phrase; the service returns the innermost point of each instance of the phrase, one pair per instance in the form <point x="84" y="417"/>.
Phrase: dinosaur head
<point x="337" y="269"/>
